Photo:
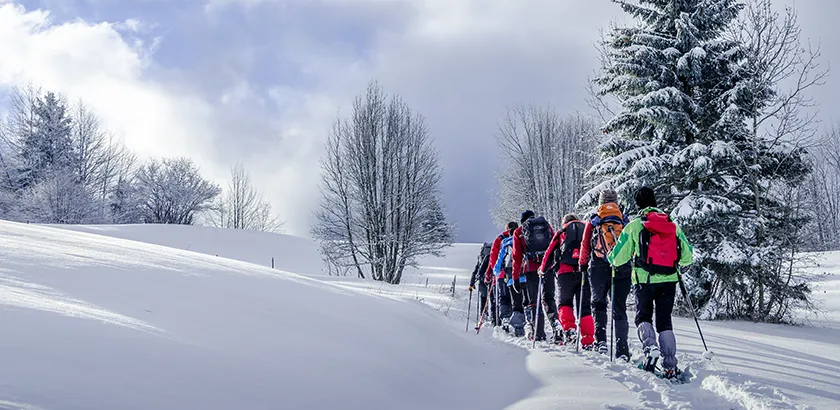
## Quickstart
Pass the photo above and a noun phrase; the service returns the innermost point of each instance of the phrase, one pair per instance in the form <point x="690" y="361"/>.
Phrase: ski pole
<point x="578" y="345"/>
<point x="612" y="315"/>
<point x="498" y="317"/>
<point x="469" y="306"/>
<point x="539" y="309"/>
<point x="484" y="311"/>
<point x="691" y="306"/>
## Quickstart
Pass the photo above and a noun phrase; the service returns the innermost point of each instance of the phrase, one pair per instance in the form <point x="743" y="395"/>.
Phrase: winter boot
<point x="622" y="351"/>
<point x="556" y="333"/>
<point x="602" y="347"/>
<point x="651" y="357"/>
<point x="517" y="322"/>
<point x="570" y="337"/>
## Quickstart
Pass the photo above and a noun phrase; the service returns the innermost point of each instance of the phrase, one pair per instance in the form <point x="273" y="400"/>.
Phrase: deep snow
<point x="94" y="322"/>
<point x="757" y="366"/>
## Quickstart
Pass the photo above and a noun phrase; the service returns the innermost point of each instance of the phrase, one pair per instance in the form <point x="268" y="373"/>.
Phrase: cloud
<point x="95" y="63"/>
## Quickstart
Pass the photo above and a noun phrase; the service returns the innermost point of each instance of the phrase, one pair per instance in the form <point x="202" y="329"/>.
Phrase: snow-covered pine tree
<point x="682" y="130"/>
<point x="48" y="146"/>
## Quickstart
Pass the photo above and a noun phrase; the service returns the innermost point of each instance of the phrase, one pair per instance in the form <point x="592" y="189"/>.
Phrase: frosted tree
<point x="544" y="159"/>
<point x="173" y="191"/>
<point x="242" y="206"/>
<point x="823" y="188"/>
<point x="380" y="201"/>
<point x="687" y="93"/>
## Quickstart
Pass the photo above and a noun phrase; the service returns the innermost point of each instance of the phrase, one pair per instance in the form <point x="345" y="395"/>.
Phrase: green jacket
<point x="627" y="248"/>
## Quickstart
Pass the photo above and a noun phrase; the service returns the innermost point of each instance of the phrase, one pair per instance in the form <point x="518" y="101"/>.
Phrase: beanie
<point x="525" y="216"/>
<point x="569" y="218"/>
<point x="607" y="196"/>
<point x="645" y="198"/>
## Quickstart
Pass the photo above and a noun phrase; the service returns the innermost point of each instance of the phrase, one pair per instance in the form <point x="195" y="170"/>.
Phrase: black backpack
<point x="570" y="248"/>
<point x="537" y="234"/>
<point x="485" y="250"/>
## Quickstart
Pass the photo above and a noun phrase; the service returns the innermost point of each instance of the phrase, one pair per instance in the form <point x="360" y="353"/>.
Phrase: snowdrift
<point x="97" y="322"/>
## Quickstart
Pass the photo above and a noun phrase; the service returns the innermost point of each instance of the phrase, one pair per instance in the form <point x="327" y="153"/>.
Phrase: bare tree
<point x="545" y="160"/>
<point x="380" y="203"/>
<point x="173" y="191"/>
<point x="823" y="188"/>
<point x="243" y="207"/>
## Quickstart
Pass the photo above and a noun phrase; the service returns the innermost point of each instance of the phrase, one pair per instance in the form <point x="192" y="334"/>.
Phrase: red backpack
<point x="659" y="247"/>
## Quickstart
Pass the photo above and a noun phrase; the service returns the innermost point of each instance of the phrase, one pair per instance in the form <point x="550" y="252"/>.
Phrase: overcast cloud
<point x="260" y="81"/>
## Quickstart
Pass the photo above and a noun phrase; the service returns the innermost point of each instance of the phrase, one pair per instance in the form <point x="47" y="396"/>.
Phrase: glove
<point x="471" y="288"/>
<point x="584" y="269"/>
<point x="541" y="273"/>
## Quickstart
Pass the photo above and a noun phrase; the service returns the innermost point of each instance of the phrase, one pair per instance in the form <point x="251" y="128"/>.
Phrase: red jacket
<point x="494" y="255"/>
<point x="558" y="238"/>
<point x="519" y="255"/>
<point x="586" y="245"/>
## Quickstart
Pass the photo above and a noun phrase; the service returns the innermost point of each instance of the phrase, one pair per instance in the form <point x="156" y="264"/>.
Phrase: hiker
<point x="480" y="268"/>
<point x="563" y="255"/>
<point x="657" y="247"/>
<point x="501" y="288"/>
<point x="530" y="241"/>
<point x="599" y="237"/>
<point x="560" y="266"/>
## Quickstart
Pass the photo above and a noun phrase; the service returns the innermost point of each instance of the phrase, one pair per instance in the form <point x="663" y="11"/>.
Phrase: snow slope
<point x="96" y="322"/>
<point x="756" y="366"/>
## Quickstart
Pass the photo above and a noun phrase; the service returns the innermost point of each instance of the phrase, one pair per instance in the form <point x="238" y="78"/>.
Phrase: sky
<point x="261" y="81"/>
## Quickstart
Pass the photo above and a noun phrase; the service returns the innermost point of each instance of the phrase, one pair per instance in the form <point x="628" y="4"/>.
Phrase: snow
<point x="115" y="320"/>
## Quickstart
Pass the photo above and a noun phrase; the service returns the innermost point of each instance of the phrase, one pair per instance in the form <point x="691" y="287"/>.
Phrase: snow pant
<point x="533" y="312"/>
<point x="482" y="296"/>
<point x="657" y="299"/>
<point x="517" y="317"/>
<point x="505" y="310"/>
<point x="549" y="297"/>
<point x="570" y="300"/>
<point x="600" y="279"/>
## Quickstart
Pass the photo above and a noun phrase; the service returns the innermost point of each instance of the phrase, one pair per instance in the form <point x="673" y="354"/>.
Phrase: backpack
<point x="607" y="224"/>
<point x="569" y="251"/>
<point x="659" y="247"/>
<point x="537" y="234"/>
<point x="485" y="251"/>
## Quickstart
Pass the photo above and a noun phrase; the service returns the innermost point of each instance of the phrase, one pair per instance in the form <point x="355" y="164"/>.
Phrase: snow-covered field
<point x="149" y="317"/>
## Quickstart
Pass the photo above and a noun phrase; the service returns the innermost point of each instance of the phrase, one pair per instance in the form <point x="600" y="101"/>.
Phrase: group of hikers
<point x="531" y="274"/>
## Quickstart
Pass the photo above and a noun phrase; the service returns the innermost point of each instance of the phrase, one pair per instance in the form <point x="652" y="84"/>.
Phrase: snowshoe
<point x="557" y="335"/>
<point x="517" y="322"/>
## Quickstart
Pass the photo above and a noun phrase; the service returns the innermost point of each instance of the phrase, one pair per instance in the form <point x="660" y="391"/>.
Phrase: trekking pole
<point x="612" y="315"/>
<point x="498" y="318"/>
<point x="691" y="306"/>
<point x="469" y="306"/>
<point x="484" y="311"/>
<point x="578" y="345"/>
<point x="477" y="308"/>
<point x="539" y="309"/>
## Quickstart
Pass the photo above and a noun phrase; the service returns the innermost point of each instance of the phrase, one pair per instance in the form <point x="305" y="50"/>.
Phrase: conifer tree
<point x="682" y="130"/>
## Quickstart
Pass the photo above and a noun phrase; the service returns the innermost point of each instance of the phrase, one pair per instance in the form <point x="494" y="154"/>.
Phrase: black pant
<point x="533" y="314"/>
<point x="549" y="296"/>
<point x="659" y="296"/>
<point x="600" y="276"/>
<point x="570" y="292"/>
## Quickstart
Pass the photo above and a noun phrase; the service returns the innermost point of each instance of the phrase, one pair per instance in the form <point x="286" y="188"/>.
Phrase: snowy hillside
<point x="175" y="328"/>
<point x="93" y="322"/>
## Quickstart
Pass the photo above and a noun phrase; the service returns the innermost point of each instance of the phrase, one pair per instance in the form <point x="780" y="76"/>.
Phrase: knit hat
<point x="645" y="198"/>
<point x="608" y="196"/>
<point x="526" y="215"/>
<point x="569" y="218"/>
